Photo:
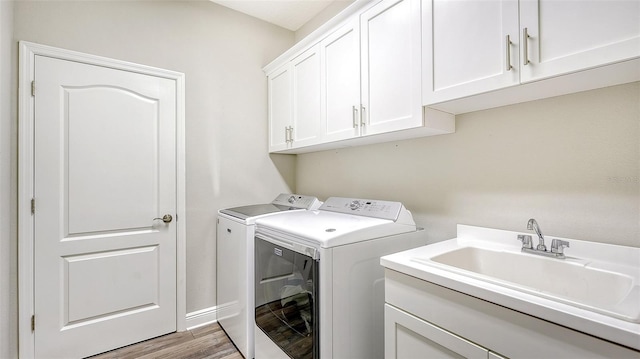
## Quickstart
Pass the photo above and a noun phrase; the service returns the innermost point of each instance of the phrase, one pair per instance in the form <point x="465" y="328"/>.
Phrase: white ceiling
<point x="290" y="14"/>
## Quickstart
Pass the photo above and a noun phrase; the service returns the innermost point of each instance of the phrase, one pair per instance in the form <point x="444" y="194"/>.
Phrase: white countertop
<point x="603" y="326"/>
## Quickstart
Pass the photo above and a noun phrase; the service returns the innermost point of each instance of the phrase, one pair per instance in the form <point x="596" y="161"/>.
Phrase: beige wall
<point x="222" y="53"/>
<point x="571" y="162"/>
<point x="8" y="190"/>
<point x="325" y="15"/>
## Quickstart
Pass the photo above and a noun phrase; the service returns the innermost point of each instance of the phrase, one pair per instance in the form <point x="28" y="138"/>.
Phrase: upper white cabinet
<point x="359" y="82"/>
<point x="279" y="88"/>
<point x="470" y="47"/>
<point x="567" y="36"/>
<point x="390" y="66"/>
<point x="294" y="102"/>
<point x="371" y="72"/>
<point x="476" y="47"/>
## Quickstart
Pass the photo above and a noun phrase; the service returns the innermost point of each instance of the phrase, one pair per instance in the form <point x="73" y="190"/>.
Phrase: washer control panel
<point x="363" y="207"/>
<point x="297" y="201"/>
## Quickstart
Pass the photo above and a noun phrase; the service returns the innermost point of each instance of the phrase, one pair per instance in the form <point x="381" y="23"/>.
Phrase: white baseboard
<point x="210" y="315"/>
<point x="201" y="317"/>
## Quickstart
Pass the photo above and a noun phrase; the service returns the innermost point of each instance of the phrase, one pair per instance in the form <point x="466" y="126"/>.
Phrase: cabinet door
<point x="390" y="66"/>
<point x="407" y="336"/>
<point x="306" y="98"/>
<point x="569" y="36"/>
<point x="470" y="47"/>
<point x="279" y="107"/>
<point x="340" y="58"/>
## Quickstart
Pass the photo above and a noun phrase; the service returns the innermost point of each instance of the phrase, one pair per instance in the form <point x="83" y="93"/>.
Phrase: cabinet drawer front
<point x="408" y="336"/>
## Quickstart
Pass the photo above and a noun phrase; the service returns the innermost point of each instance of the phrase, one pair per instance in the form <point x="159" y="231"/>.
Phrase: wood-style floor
<point x="208" y="341"/>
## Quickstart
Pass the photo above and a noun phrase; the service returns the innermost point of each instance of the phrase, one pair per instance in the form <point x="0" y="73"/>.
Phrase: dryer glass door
<point x="286" y="299"/>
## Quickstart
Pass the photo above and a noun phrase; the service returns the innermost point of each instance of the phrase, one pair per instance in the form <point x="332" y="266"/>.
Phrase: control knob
<point x="354" y="205"/>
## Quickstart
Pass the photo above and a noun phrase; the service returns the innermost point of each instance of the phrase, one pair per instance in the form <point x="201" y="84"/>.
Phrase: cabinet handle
<point x="363" y="117"/>
<point x="355" y="116"/>
<point x="525" y="43"/>
<point x="288" y="134"/>
<point x="509" y="67"/>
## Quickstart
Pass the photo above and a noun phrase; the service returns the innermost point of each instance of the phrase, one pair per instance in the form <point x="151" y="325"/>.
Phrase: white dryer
<point x="234" y="265"/>
<point x="319" y="283"/>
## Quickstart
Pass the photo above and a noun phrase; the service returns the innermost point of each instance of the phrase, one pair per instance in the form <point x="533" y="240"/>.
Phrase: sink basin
<point x="572" y="281"/>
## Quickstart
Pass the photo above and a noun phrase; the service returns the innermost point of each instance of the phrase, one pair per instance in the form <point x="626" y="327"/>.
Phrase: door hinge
<point x="33" y="323"/>
<point x="33" y="206"/>
<point x="33" y="88"/>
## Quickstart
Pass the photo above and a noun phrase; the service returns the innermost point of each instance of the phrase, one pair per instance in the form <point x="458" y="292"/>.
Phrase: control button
<point x="354" y="205"/>
<point x="291" y="199"/>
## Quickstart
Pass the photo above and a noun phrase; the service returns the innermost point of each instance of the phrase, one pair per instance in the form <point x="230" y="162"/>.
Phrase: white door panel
<point x="569" y="36"/>
<point x="105" y="273"/>
<point x="280" y="113"/>
<point x="340" y="57"/>
<point x="127" y="182"/>
<point x="390" y="67"/>
<point x="466" y="50"/>
<point x="306" y="98"/>
<point x="105" y="167"/>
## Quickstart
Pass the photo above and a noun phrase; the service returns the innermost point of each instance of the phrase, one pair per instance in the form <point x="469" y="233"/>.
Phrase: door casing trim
<point x="26" y="74"/>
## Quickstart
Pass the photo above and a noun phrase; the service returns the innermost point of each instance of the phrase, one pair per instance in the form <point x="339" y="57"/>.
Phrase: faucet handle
<point x="558" y="245"/>
<point x="526" y="241"/>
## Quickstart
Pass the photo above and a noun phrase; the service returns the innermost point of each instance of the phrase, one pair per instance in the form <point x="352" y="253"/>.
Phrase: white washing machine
<point x="234" y="279"/>
<point x="319" y="283"/>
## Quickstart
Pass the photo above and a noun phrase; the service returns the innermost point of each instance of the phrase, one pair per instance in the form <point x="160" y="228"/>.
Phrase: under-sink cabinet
<point x="475" y="47"/>
<point x="423" y="320"/>
<point x="407" y="336"/>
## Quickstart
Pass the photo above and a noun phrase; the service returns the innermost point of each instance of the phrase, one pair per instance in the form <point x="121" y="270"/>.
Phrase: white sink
<point x="595" y="289"/>
<point x="571" y="281"/>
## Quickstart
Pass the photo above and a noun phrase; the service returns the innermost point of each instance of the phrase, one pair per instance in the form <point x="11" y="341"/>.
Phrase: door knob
<point x="167" y="218"/>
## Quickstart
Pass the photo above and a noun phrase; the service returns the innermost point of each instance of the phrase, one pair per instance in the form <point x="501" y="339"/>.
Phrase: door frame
<point x="26" y="162"/>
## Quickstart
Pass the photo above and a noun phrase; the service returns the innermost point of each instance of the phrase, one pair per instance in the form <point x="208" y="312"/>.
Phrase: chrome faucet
<point x="532" y="225"/>
<point x="557" y="245"/>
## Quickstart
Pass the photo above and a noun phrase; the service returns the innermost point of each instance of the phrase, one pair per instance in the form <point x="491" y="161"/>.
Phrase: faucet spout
<point x="557" y="247"/>
<point x="532" y="225"/>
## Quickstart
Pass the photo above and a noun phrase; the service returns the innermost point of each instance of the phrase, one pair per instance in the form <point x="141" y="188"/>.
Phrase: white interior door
<point x="105" y="167"/>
